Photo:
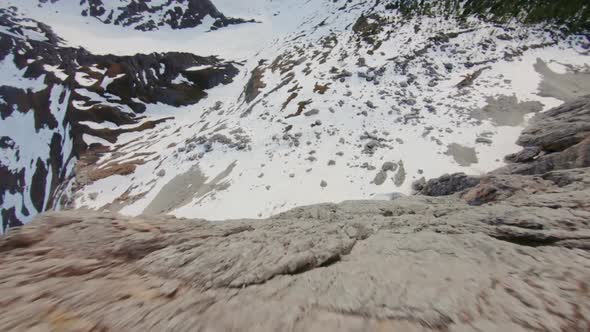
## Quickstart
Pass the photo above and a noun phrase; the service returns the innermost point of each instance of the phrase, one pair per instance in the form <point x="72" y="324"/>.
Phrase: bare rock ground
<point x="510" y="253"/>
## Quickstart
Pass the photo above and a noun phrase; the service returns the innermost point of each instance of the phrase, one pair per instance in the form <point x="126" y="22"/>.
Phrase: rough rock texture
<point x="559" y="128"/>
<point x="512" y="253"/>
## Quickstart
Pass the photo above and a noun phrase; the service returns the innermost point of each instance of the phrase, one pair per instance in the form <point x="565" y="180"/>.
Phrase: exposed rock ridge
<point x="558" y="139"/>
<point x="517" y="258"/>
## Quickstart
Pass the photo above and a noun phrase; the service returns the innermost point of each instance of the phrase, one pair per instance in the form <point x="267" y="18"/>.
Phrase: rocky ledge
<point x="509" y="251"/>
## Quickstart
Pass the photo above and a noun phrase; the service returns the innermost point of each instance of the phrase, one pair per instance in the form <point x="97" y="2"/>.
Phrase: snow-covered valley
<point x="315" y="101"/>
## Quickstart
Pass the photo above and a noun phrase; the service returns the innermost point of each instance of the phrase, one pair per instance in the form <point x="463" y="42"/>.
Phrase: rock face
<point x="512" y="253"/>
<point x="414" y="264"/>
<point x="557" y="139"/>
<point x="559" y="128"/>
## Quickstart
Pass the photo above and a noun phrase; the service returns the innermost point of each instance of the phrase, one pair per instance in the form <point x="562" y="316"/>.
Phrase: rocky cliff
<point x="509" y="251"/>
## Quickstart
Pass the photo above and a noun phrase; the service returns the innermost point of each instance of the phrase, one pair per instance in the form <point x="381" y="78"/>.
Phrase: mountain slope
<point x="59" y="103"/>
<point x="337" y="110"/>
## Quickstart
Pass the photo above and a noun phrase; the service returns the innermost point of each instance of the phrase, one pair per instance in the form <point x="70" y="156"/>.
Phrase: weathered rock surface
<point x="414" y="264"/>
<point x="559" y="128"/>
<point x="557" y="139"/>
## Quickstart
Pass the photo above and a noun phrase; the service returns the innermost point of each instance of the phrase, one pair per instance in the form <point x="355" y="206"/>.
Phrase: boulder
<point x="448" y="184"/>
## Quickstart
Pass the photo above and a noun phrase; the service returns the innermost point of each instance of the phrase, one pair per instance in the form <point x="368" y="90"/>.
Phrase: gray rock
<point x="560" y="127"/>
<point x="311" y="112"/>
<point x="323" y="184"/>
<point x="418" y="185"/>
<point x="448" y="184"/>
<point x="400" y="175"/>
<point x="388" y="166"/>
<point x="483" y="140"/>
<point x="380" y="177"/>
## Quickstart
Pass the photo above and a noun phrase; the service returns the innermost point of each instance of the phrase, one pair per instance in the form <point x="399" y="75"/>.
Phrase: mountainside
<point x="144" y="15"/>
<point x="55" y="99"/>
<point x="320" y="101"/>
<point x="507" y="252"/>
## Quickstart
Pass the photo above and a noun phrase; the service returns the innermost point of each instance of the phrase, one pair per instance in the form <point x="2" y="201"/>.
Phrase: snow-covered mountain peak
<point x="142" y="15"/>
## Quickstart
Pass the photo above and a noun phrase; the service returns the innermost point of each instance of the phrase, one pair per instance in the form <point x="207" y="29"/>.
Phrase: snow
<point x="13" y="76"/>
<point x="59" y="73"/>
<point x="84" y="80"/>
<point x="30" y="144"/>
<point x="196" y="68"/>
<point x="180" y="80"/>
<point x="89" y="139"/>
<point x="98" y="70"/>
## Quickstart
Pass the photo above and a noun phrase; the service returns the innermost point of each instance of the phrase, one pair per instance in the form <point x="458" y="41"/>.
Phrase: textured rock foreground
<point x="510" y="253"/>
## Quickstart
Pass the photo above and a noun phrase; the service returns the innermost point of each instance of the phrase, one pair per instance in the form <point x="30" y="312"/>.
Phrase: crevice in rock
<point x="309" y="266"/>
<point x="528" y="240"/>
<point x="442" y="322"/>
<point x="541" y="240"/>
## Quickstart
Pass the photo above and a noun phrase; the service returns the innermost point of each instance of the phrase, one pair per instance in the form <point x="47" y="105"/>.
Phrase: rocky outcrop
<point x="558" y="139"/>
<point x="446" y="185"/>
<point x="511" y="253"/>
<point x="559" y="128"/>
